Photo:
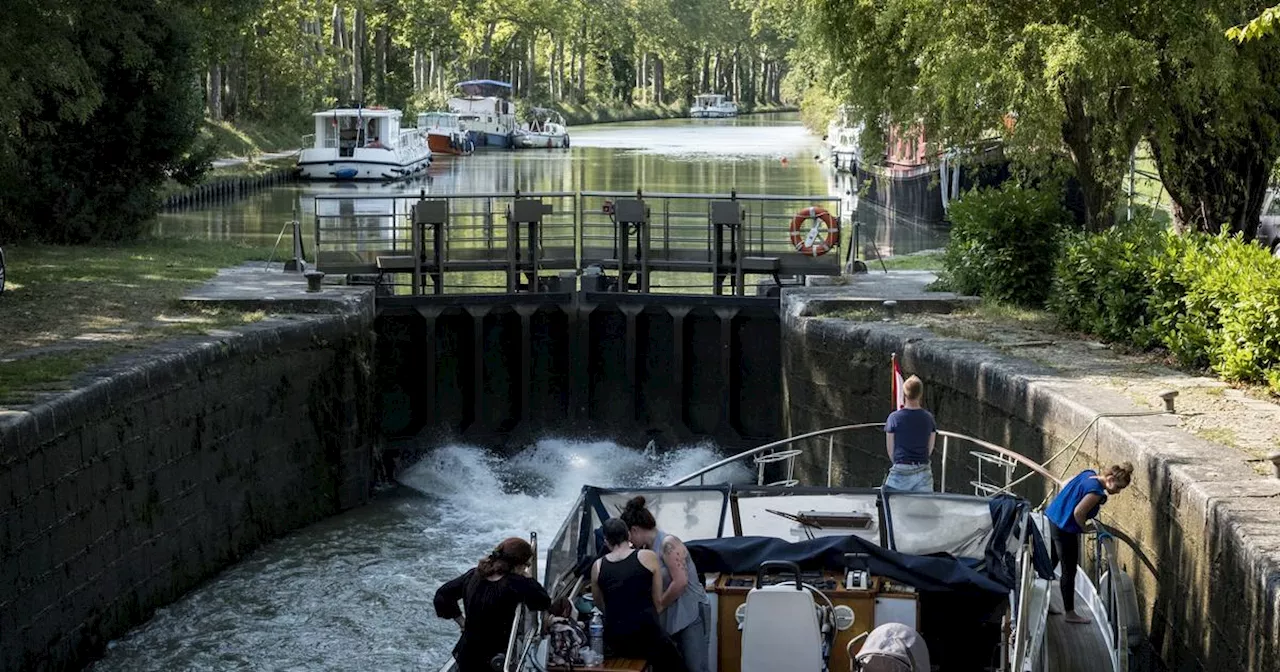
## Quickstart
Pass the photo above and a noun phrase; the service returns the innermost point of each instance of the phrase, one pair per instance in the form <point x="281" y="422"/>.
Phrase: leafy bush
<point x="1211" y="301"/>
<point x="1229" y="316"/>
<point x="1003" y="244"/>
<point x="1103" y="282"/>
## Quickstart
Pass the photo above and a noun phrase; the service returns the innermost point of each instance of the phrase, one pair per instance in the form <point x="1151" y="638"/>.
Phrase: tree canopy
<point x="1075" y="82"/>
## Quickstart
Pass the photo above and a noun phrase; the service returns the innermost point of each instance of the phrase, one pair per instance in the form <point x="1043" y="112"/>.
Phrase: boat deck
<point x="1073" y="647"/>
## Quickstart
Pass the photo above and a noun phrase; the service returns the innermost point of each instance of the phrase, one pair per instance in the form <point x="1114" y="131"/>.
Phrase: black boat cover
<point x="928" y="573"/>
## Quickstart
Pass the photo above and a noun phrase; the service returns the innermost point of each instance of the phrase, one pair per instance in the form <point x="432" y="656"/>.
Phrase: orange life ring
<point x="808" y="239"/>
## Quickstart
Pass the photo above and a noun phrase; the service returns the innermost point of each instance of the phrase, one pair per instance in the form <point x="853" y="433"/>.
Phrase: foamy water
<point x="354" y="591"/>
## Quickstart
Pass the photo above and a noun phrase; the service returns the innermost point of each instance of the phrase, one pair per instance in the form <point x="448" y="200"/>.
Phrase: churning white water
<point x="354" y="592"/>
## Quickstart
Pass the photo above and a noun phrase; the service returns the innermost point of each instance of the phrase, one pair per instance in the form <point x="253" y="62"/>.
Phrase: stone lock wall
<point x="117" y="498"/>
<point x="1205" y="530"/>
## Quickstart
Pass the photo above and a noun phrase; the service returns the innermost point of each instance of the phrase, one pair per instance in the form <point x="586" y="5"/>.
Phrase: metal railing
<point x="727" y="236"/>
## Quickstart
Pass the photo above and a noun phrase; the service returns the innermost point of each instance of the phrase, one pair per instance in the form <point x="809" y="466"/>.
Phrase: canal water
<point x="756" y="154"/>
<point x="354" y="591"/>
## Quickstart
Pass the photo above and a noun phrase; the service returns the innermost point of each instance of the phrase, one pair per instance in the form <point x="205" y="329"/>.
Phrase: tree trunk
<point x="215" y="91"/>
<point x="1096" y="195"/>
<point x="357" y="57"/>
<point x="1215" y="183"/>
<point x="559" y="70"/>
<point x="342" y="76"/>
<point x="660" y="86"/>
<point x="482" y="71"/>
<point x="380" y="63"/>
<point x="706" y="70"/>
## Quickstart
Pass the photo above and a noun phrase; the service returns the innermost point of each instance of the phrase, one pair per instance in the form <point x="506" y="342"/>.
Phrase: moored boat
<point x="712" y="106"/>
<point x="445" y="133"/>
<point x="818" y="577"/>
<point x="844" y="142"/>
<point x="545" y="129"/>
<point x="363" y="144"/>
<point x="485" y="112"/>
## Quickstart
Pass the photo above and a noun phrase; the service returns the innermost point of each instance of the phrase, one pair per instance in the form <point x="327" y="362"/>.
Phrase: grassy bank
<point x="69" y="308"/>
<point x="249" y="139"/>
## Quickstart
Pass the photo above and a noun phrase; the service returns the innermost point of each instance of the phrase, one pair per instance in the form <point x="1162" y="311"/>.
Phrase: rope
<point x="1076" y="452"/>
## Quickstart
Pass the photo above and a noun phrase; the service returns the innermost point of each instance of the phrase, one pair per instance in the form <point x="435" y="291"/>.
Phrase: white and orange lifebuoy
<point x="810" y="239"/>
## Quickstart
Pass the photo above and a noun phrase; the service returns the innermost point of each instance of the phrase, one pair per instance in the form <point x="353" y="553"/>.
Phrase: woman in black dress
<point x="490" y="593"/>
<point x="627" y="586"/>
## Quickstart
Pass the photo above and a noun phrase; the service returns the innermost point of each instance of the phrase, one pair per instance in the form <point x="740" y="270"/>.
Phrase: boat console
<point x="872" y="600"/>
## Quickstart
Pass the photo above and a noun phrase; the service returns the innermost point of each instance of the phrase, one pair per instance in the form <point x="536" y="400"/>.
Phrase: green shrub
<point x="1003" y="244"/>
<point x="1211" y="301"/>
<point x="1102" y="282"/>
<point x="1229" y="316"/>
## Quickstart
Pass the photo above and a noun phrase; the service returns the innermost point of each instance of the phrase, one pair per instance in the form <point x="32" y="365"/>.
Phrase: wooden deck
<point x="1072" y="647"/>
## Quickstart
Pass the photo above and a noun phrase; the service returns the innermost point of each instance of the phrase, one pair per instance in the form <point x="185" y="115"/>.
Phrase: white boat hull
<point x="364" y="164"/>
<point x="540" y="140"/>
<point x="712" y="113"/>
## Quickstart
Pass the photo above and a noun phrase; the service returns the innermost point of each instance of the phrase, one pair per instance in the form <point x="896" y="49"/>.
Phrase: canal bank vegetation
<point x="1208" y="301"/>
<point x="1068" y="87"/>
<point x="69" y="307"/>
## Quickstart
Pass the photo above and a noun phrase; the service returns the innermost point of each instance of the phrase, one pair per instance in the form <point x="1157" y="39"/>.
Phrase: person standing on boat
<point x="909" y="434"/>
<point x="1079" y="502"/>
<point x="626" y="584"/>
<point x="686" y="609"/>
<point x="490" y="592"/>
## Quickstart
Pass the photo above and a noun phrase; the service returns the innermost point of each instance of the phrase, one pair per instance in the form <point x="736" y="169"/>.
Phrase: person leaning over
<point x="909" y="436"/>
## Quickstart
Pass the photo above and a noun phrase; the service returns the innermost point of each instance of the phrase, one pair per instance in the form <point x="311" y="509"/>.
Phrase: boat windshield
<point x="920" y="524"/>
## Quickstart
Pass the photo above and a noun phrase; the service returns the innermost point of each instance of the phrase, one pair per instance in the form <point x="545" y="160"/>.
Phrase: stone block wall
<point x="1204" y="527"/>
<point x="120" y="496"/>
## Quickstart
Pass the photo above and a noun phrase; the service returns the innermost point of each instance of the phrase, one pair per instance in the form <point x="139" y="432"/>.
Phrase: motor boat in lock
<point x="545" y="130"/>
<point x="822" y="577"/>
<point x="363" y="143"/>
<point x="712" y="106"/>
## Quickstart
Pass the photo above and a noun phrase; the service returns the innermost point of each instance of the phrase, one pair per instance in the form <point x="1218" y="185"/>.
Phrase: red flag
<point x="899" y="399"/>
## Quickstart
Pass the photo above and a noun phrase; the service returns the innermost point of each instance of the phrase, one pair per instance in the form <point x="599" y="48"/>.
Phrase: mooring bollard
<point x="313" y="280"/>
<point x="889" y="307"/>
<point x="1168" y="396"/>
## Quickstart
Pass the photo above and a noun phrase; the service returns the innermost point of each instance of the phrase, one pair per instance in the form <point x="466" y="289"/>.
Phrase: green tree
<point x="1076" y="75"/>
<point x="1216" y="130"/>
<point x="85" y="151"/>
<point x="1260" y="26"/>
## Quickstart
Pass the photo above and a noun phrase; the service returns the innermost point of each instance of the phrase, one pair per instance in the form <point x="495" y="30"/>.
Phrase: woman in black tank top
<point x="627" y="587"/>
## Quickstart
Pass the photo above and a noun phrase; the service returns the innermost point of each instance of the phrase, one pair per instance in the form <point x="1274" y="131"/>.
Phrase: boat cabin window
<point x="934" y="523"/>
<point x="800" y="517"/>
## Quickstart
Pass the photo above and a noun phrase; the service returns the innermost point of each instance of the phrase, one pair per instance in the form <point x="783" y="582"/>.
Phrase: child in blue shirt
<point x="1069" y="513"/>
<point x="909" y="436"/>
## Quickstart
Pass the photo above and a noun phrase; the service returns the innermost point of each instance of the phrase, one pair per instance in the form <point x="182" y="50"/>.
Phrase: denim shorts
<point x="910" y="477"/>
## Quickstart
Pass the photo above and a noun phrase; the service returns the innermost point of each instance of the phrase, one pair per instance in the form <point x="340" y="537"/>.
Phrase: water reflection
<point x="760" y="154"/>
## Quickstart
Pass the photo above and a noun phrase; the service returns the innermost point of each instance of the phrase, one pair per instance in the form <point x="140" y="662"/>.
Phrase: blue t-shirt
<point x="1061" y="510"/>
<point x="911" y="429"/>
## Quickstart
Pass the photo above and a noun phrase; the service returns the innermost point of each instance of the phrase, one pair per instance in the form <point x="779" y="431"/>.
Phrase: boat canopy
<point x="931" y="540"/>
<point x="484" y="87"/>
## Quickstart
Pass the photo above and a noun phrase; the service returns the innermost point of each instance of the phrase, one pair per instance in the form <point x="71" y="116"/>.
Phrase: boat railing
<point x="990" y="455"/>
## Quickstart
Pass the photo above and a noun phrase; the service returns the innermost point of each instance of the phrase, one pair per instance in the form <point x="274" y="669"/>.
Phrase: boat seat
<point x="780" y="631"/>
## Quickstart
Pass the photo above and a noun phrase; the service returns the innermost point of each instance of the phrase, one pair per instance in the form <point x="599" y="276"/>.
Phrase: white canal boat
<point x="483" y="108"/>
<point x="712" y="106"/>
<point x="546" y="129"/>
<point x="844" y="141"/>
<point x="810" y="578"/>
<point x="363" y="144"/>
